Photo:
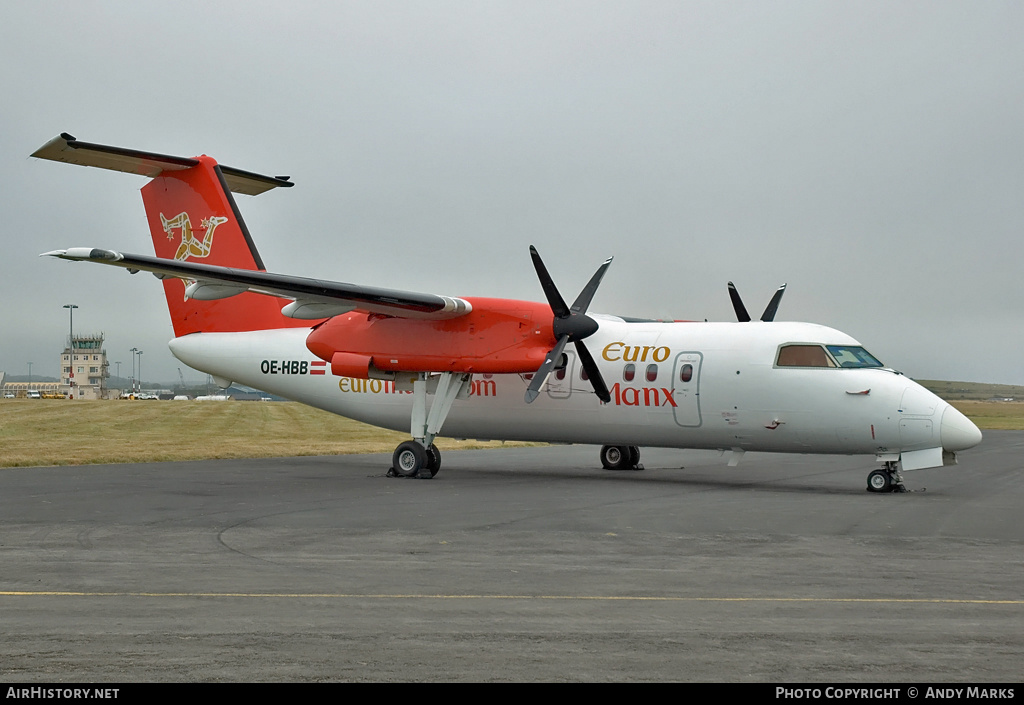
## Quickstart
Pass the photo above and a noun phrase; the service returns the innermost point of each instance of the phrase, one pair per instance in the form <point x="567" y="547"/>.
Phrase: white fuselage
<point x="695" y="385"/>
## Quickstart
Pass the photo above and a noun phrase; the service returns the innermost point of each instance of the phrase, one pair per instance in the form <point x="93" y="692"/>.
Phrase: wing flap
<point x="308" y="294"/>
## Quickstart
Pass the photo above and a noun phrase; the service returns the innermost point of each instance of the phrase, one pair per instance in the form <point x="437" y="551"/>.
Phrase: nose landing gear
<point x="886" y="479"/>
<point x="621" y="458"/>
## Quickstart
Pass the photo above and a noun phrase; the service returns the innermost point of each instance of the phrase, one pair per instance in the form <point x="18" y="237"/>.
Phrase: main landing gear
<point x="413" y="460"/>
<point x="886" y="479"/>
<point x="621" y="458"/>
<point x="420" y="457"/>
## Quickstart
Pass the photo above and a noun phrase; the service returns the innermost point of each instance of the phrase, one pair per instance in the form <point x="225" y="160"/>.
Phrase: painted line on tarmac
<point x="427" y="596"/>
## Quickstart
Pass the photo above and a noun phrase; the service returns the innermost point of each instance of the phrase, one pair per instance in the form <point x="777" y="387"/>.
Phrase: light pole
<point x="71" y="348"/>
<point x="133" y="351"/>
<point x="30" y="374"/>
<point x="139" y="353"/>
<point x="118" y="363"/>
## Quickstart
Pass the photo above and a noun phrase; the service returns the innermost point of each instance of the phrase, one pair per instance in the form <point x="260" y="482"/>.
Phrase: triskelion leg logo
<point x="191" y="246"/>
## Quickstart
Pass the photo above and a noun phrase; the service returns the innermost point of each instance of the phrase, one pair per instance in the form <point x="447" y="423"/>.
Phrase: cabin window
<point x="686" y="373"/>
<point x="652" y="373"/>
<point x="803" y="356"/>
<point x="629" y="372"/>
<point x="583" y="374"/>
<point x="560" y="373"/>
<point x="853" y="356"/>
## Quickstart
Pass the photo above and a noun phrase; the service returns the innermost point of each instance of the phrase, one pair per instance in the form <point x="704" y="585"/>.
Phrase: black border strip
<point x="241" y="222"/>
<point x="186" y="162"/>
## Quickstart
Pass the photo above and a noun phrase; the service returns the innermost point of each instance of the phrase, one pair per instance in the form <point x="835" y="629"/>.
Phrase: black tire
<point x="634" y="456"/>
<point x="409" y="458"/>
<point x="615" y="457"/>
<point x="433" y="459"/>
<point x="879" y="481"/>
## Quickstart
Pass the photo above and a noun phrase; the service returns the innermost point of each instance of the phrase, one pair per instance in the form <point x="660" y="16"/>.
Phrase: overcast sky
<point x="870" y="154"/>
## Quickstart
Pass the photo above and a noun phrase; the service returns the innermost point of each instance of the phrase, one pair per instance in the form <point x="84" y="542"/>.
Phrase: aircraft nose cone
<point x="957" y="431"/>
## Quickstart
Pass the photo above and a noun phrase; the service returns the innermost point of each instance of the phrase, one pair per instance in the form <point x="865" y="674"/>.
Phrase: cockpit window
<point x="853" y="356"/>
<point x="803" y="356"/>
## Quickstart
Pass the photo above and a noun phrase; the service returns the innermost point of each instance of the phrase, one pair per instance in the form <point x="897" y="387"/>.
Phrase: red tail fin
<point x="192" y="216"/>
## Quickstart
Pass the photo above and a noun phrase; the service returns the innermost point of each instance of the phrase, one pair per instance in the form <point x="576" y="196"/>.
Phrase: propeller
<point x="570" y="324"/>
<point x="741" y="312"/>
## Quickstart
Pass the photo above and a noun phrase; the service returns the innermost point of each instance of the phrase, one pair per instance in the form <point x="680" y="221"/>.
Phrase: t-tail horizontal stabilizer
<point x="65" y="148"/>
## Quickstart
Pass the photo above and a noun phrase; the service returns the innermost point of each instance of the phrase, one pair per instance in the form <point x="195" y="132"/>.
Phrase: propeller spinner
<point x="569" y="324"/>
<point x="741" y="311"/>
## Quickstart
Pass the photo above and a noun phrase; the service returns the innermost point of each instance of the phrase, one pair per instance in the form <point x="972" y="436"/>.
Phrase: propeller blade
<point x="582" y="302"/>
<point x="541" y="376"/>
<point x="555" y="299"/>
<point x="569" y="324"/>
<point x="773" y="305"/>
<point x="593" y="372"/>
<point x="737" y="304"/>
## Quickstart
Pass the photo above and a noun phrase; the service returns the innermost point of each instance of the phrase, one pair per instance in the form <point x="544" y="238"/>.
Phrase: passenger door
<point x="686" y="388"/>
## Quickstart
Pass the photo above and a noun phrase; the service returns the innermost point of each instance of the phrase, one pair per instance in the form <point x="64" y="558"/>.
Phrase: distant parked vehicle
<point x="33" y="394"/>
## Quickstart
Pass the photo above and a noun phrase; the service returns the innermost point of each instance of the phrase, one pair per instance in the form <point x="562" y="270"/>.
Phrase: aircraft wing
<point x="311" y="298"/>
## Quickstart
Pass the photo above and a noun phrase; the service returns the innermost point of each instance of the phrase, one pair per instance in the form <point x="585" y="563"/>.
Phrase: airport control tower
<point x="84" y="367"/>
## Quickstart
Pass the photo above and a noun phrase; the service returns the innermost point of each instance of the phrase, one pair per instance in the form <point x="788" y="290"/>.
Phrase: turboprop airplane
<point x="502" y="369"/>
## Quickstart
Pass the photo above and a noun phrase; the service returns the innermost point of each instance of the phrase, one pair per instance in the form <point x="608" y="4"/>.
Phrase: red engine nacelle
<point x="498" y="336"/>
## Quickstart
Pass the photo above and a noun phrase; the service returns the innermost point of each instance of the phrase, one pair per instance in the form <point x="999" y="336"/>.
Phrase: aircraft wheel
<point x="634" y="456"/>
<point x="879" y="481"/>
<point x="409" y="458"/>
<point x="616" y="457"/>
<point x="433" y="459"/>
